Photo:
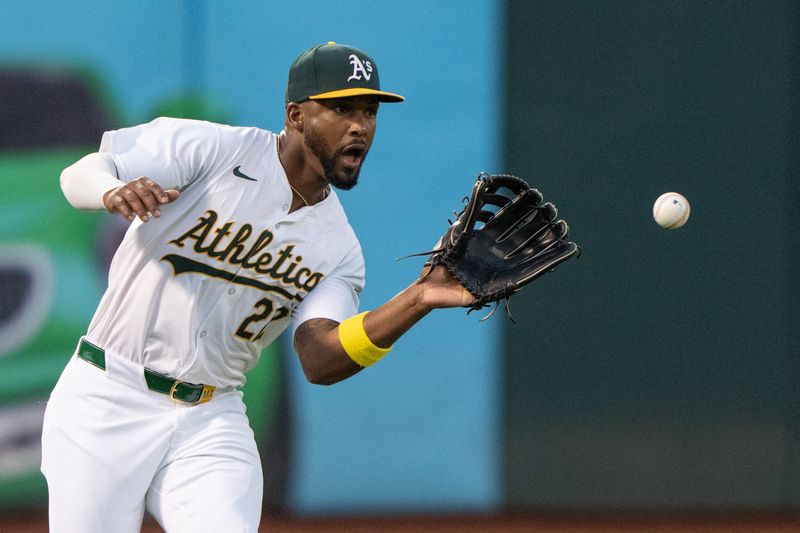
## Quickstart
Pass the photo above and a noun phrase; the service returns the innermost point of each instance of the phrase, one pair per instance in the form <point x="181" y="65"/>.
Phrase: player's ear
<point x="295" y="116"/>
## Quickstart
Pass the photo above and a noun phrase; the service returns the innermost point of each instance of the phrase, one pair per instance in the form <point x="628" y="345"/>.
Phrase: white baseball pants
<point x="110" y="448"/>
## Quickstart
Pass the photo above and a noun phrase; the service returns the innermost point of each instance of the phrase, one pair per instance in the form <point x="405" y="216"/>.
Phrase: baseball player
<point x="236" y="233"/>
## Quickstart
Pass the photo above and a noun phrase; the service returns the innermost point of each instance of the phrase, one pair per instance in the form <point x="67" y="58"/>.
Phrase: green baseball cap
<point x="334" y="71"/>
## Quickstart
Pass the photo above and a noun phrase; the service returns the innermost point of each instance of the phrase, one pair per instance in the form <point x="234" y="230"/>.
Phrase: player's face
<point x="339" y="133"/>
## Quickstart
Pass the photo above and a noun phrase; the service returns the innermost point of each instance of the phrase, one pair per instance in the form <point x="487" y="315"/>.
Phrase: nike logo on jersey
<point x="239" y="174"/>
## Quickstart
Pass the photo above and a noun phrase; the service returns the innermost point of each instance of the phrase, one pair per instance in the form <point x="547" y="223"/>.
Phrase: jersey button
<point x="286" y="207"/>
<point x="231" y="291"/>
<point x="203" y="334"/>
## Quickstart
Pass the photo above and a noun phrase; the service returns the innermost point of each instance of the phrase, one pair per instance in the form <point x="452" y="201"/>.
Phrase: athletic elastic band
<point x="357" y="344"/>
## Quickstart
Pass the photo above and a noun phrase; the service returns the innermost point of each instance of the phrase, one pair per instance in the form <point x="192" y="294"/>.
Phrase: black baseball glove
<point x="503" y="238"/>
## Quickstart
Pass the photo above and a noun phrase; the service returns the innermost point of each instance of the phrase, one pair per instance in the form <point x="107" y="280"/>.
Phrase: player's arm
<point x="321" y="346"/>
<point x="92" y="183"/>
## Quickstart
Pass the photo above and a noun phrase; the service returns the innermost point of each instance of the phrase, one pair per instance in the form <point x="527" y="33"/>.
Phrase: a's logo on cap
<point x="360" y="68"/>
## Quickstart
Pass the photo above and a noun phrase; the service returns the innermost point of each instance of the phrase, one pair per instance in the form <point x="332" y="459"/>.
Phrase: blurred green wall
<point x="658" y="371"/>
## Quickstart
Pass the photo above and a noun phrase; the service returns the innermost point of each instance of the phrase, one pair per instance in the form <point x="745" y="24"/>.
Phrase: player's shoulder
<point x="208" y="128"/>
<point x="333" y="212"/>
<point x="336" y="220"/>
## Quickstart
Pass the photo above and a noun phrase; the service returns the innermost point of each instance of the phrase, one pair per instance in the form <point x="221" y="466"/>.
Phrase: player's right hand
<point x="141" y="197"/>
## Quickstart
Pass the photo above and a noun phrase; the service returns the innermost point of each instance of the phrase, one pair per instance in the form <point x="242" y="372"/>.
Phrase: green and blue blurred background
<point x="656" y="373"/>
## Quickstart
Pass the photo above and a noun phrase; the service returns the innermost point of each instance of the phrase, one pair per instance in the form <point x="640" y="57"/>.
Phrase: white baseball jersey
<point x="198" y="293"/>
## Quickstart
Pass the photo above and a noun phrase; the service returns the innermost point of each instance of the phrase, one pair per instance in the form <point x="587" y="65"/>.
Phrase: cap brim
<point x="359" y="91"/>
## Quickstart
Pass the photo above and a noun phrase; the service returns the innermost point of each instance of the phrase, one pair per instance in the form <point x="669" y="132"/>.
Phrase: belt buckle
<point x="208" y="392"/>
<point x="206" y="395"/>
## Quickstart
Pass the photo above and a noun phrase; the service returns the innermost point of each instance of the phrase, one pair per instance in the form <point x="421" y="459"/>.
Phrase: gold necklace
<point x="298" y="194"/>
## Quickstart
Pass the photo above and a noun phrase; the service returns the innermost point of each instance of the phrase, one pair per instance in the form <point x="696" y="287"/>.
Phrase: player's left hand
<point x="441" y="289"/>
<point x="504" y="237"/>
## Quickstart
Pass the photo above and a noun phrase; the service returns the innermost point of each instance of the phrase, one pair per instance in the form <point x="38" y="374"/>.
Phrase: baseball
<point x="671" y="210"/>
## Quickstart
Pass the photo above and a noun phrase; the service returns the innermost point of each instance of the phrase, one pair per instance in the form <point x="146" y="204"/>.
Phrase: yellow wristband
<point x="356" y="343"/>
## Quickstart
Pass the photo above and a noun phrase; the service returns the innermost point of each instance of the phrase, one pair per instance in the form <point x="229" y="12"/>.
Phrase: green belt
<point x="181" y="391"/>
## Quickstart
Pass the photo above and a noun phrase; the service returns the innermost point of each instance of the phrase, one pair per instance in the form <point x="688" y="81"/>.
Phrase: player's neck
<point x="308" y="187"/>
